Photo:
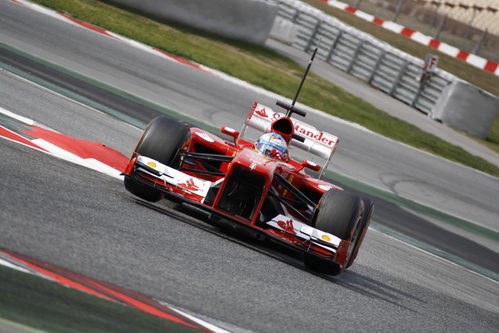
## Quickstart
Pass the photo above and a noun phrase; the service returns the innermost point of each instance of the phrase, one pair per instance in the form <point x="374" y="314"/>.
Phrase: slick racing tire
<point x="162" y="141"/>
<point x="338" y="213"/>
<point x="364" y="225"/>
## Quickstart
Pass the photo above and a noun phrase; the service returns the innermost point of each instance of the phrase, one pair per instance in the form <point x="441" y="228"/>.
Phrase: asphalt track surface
<point x="94" y="227"/>
<point x="399" y="169"/>
<point x="84" y="221"/>
<point x="364" y="156"/>
<point x="387" y="213"/>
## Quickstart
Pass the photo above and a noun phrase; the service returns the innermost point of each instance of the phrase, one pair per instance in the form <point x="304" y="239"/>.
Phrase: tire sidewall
<point x="338" y="213"/>
<point x="163" y="139"/>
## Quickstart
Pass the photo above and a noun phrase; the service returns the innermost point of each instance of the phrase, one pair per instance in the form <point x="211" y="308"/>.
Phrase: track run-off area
<point x="83" y="220"/>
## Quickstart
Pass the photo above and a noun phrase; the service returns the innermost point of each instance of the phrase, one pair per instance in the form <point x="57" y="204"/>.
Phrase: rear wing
<point x="307" y="137"/>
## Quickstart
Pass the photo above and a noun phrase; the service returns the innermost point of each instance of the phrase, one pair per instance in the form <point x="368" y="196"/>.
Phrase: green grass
<point x="492" y="140"/>
<point x="481" y="78"/>
<point x="262" y="67"/>
<point x="44" y="305"/>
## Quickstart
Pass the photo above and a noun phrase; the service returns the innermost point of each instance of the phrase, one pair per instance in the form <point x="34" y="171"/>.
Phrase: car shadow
<point x="360" y="282"/>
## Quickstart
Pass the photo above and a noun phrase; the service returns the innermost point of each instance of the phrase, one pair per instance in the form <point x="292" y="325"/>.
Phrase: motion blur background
<point x="470" y="25"/>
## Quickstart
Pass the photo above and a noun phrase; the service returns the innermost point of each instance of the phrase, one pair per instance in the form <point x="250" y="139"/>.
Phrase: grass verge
<point x="48" y="306"/>
<point x="262" y="67"/>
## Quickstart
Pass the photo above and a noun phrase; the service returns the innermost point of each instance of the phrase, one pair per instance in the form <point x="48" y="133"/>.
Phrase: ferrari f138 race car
<point x="255" y="185"/>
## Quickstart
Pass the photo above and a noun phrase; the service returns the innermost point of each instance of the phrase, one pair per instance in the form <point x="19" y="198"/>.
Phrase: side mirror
<point x="230" y="132"/>
<point x="311" y="165"/>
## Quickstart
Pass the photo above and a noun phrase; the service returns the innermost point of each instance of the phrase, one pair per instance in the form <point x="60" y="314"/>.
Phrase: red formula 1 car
<point x="255" y="185"/>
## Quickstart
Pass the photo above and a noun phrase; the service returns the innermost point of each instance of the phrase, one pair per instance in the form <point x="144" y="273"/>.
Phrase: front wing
<point x="287" y="230"/>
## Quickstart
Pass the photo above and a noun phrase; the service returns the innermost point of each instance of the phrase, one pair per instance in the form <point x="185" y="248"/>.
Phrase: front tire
<point x="364" y="225"/>
<point x="162" y="141"/>
<point x="337" y="213"/>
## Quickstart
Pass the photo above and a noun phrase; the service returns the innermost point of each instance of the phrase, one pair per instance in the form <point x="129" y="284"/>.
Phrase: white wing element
<point x="301" y="230"/>
<point x="319" y="143"/>
<point x="174" y="177"/>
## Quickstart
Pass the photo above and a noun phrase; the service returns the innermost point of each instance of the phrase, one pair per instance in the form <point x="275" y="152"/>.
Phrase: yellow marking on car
<point x="290" y="180"/>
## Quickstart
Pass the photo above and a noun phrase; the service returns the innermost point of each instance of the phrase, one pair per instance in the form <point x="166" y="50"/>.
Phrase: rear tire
<point x="338" y="213"/>
<point x="162" y="141"/>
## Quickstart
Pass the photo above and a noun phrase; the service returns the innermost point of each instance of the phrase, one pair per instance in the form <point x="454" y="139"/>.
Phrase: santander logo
<point x="316" y="135"/>
<point x="300" y="128"/>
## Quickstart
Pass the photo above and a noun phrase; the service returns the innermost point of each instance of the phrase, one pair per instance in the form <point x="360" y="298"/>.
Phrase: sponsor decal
<point x="189" y="185"/>
<point x="287" y="226"/>
<point x="262" y="113"/>
<point x="300" y="128"/>
<point x="316" y="135"/>
<point x="259" y="159"/>
<point x="326" y="238"/>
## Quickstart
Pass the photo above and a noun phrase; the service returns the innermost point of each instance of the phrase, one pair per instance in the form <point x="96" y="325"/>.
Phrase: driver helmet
<point x="272" y="144"/>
